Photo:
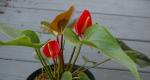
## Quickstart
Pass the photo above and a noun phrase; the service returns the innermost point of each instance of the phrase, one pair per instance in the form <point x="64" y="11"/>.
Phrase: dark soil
<point x="42" y="76"/>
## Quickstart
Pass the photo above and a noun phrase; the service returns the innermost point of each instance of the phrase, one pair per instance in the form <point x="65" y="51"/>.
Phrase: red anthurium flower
<point x="83" y="22"/>
<point x="51" y="49"/>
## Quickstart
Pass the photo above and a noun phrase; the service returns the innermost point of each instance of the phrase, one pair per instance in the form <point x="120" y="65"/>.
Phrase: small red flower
<point x="51" y="49"/>
<point x="83" y="22"/>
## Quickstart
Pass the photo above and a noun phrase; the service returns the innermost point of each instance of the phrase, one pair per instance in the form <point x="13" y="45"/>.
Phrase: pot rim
<point x="38" y="72"/>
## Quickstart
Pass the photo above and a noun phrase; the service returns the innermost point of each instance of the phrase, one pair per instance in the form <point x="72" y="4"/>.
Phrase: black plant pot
<point x="39" y="71"/>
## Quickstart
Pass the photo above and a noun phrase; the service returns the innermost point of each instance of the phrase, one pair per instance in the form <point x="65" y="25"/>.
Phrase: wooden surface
<point x="128" y="20"/>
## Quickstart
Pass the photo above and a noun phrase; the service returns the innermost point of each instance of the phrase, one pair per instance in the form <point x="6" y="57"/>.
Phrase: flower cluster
<point x="52" y="48"/>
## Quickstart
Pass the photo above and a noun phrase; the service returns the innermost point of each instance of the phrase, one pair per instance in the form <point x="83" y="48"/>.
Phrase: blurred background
<point x="129" y="20"/>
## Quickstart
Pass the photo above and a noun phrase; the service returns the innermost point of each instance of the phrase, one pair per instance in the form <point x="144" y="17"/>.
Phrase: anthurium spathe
<point x="51" y="49"/>
<point x="83" y="22"/>
<point x="59" y="23"/>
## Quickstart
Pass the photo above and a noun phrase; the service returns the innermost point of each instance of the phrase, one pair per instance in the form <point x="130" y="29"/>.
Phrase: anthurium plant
<point x="79" y="32"/>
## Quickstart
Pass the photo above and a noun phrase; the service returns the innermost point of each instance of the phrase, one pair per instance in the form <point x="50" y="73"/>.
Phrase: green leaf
<point x="1" y="43"/>
<point x="123" y="45"/>
<point x="20" y="41"/>
<point x="71" y="37"/>
<point x="9" y="31"/>
<point x="86" y="60"/>
<point x="83" y="76"/>
<point x="32" y="35"/>
<point x="100" y="37"/>
<point x="88" y="43"/>
<point x="45" y="24"/>
<point x="66" y="76"/>
<point x="19" y="38"/>
<point x="138" y="57"/>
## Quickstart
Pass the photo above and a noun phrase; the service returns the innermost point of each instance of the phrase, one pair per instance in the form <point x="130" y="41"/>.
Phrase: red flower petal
<point x="83" y="22"/>
<point x="51" y="49"/>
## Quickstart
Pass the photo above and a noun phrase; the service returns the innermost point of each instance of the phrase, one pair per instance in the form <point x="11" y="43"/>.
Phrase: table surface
<point x="128" y="20"/>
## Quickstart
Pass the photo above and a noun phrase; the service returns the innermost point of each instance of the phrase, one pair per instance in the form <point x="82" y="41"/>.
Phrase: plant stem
<point x="98" y="64"/>
<point x="80" y="68"/>
<point x="71" y="57"/>
<point x="49" y="67"/>
<point x="57" y="38"/>
<point x="59" y="67"/>
<point x="59" y="63"/>
<point x="76" y="57"/>
<point x="61" y="55"/>
<point x="101" y="63"/>
<point x="43" y="63"/>
<point x="55" y="67"/>
<point x="62" y="40"/>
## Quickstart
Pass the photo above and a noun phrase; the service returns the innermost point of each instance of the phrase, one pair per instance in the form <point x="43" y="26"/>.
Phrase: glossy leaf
<point x="20" y="38"/>
<point x="83" y="76"/>
<point x="66" y="76"/>
<point x="32" y="35"/>
<point x="100" y="37"/>
<point x="71" y="37"/>
<point x="123" y="45"/>
<point x="86" y="60"/>
<point x="19" y="41"/>
<point x="44" y="26"/>
<point x="1" y="43"/>
<point x="9" y="31"/>
<point x="138" y="57"/>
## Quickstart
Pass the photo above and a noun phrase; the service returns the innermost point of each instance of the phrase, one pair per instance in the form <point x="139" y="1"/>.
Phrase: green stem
<point x="98" y="64"/>
<point x="101" y="63"/>
<point x="71" y="57"/>
<point x="43" y="63"/>
<point x="48" y="66"/>
<point x="76" y="57"/>
<point x="62" y="57"/>
<point x="79" y="68"/>
<point x="59" y="61"/>
<point x="54" y="68"/>
<point x="59" y="67"/>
